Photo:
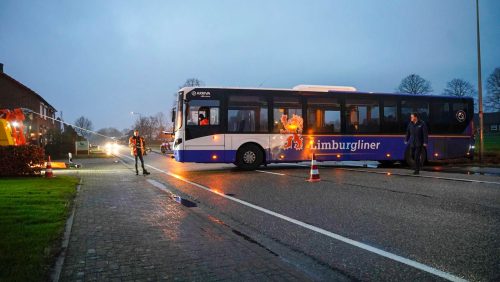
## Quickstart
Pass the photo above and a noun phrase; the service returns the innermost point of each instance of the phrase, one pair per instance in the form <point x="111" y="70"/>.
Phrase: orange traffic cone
<point x="48" y="169"/>
<point x="314" y="177"/>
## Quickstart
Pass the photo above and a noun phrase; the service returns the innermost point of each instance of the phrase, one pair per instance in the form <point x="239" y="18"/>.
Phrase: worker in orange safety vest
<point x="137" y="145"/>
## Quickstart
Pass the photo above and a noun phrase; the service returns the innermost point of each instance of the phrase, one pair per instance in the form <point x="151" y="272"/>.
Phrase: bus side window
<point x="440" y="114"/>
<point x="247" y="114"/>
<point x="390" y="122"/>
<point x="362" y="116"/>
<point x="458" y="124"/>
<point x="323" y="115"/>
<point x="285" y="106"/>
<point x="408" y="107"/>
<point x="203" y="112"/>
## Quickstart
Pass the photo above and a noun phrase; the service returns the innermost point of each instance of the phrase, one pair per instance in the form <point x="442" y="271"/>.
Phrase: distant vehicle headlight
<point x="116" y="149"/>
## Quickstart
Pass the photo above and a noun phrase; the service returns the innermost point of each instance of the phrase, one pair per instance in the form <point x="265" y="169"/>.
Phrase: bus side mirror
<point x="173" y="114"/>
<point x="168" y="133"/>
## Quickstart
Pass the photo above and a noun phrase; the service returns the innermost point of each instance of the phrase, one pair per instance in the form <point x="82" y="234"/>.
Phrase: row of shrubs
<point x="27" y="160"/>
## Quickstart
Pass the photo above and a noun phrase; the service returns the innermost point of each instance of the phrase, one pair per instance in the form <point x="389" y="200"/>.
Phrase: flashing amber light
<point x="311" y="142"/>
<point x="282" y="156"/>
<point x="214" y="157"/>
<point x="388" y="173"/>
<point x="338" y="156"/>
<point x="388" y="155"/>
<point x="214" y="137"/>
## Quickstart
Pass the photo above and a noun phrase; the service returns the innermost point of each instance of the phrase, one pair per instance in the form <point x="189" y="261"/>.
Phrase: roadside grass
<point x="491" y="143"/>
<point x="33" y="213"/>
<point x="491" y="155"/>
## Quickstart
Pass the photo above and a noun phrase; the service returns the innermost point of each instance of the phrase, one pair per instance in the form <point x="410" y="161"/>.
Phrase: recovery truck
<point x="12" y="127"/>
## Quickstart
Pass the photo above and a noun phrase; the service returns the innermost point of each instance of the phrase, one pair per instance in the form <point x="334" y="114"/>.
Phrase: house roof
<point x="19" y="84"/>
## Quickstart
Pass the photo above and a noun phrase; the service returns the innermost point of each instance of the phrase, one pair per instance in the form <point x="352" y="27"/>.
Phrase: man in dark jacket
<point x="416" y="138"/>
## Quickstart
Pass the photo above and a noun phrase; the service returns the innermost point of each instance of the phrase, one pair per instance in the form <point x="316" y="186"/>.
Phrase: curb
<point x="56" y="273"/>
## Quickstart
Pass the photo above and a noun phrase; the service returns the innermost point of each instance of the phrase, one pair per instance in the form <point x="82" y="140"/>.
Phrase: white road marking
<point x="327" y="233"/>
<point x="160" y="186"/>
<point x="422" y="176"/>
<point x="275" y="173"/>
<point x="403" y="174"/>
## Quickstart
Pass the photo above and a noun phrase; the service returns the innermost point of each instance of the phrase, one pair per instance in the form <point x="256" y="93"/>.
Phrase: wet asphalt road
<point x="437" y="219"/>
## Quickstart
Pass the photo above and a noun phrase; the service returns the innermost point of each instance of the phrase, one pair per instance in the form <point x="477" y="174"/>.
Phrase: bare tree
<point x="161" y="124"/>
<point x="493" y="89"/>
<point x="84" y="127"/>
<point x="460" y="88"/>
<point x="145" y="126"/>
<point x="191" y="82"/>
<point x="414" y="84"/>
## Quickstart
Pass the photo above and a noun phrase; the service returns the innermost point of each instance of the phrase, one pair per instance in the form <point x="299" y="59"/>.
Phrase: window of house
<point x="323" y="115"/>
<point x="247" y="114"/>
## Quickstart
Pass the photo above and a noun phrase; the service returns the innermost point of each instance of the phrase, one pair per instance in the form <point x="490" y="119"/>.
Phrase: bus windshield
<point x="178" y="118"/>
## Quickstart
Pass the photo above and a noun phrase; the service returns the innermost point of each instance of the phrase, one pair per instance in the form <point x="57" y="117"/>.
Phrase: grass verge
<point x="33" y="212"/>
<point x="491" y="143"/>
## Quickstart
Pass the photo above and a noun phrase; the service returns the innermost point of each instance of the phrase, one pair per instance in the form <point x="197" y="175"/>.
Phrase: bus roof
<point x="319" y="88"/>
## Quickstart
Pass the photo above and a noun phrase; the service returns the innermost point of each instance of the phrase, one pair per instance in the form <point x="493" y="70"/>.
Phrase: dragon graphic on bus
<point x="293" y="126"/>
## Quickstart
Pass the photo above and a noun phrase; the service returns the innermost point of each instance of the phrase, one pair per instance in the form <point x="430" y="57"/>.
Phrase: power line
<point x="67" y="123"/>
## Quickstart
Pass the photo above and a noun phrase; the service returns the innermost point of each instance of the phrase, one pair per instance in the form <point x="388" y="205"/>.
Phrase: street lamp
<point x="480" y="87"/>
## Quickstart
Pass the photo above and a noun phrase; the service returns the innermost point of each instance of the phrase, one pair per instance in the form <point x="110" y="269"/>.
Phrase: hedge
<point x="21" y="160"/>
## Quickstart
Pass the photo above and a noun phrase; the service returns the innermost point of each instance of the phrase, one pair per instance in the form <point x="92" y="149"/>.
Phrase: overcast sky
<point x="104" y="59"/>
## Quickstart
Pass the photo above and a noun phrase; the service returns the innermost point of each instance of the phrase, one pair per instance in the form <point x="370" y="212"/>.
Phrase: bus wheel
<point x="249" y="157"/>
<point x="410" y="162"/>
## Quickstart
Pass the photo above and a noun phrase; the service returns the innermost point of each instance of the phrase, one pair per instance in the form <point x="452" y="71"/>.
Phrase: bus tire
<point x="410" y="162"/>
<point x="249" y="157"/>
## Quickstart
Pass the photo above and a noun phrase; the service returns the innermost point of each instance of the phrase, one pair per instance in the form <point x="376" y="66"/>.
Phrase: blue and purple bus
<point x="251" y="127"/>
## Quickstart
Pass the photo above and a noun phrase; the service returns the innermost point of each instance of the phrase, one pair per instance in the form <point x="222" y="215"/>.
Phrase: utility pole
<point x="480" y="87"/>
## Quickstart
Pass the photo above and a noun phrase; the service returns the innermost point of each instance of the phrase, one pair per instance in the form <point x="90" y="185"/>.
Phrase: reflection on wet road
<point x="441" y="223"/>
